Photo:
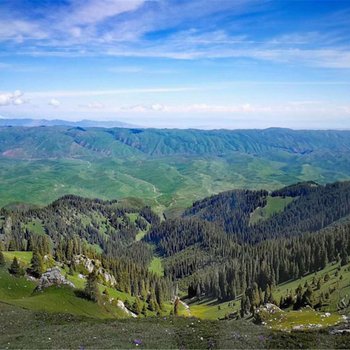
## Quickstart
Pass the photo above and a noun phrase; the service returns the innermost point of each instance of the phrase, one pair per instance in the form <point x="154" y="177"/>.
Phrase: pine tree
<point x="91" y="287"/>
<point x="15" y="269"/>
<point x="343" y="257"/>
<point x="307" y="297"/>
<point x="144" y="310"/>
<point x="176" y="306"/>
<point x="37" y="265"/>
<point x="2" y="259"/>
<point x="136" y="306"/>
<point x="243" y="305"/>
<point x="159" y="297"/>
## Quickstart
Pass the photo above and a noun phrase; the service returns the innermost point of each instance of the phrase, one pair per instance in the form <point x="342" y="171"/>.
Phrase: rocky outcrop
<point x="269" y="308"/>
<point x="53" y="277"/>
<point x="93" y="264"/>
<point x="86" y="263"/>
<point x="121" y="305"/>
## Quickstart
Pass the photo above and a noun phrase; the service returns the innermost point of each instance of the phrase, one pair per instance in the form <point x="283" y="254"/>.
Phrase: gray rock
<point x="53" y="277"/>
<point x="125" y="309"/>
<point x="95" y="264"/>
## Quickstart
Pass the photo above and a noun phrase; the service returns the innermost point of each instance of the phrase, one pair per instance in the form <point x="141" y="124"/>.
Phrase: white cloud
<point x="12" y="98"/>
<point x="55" y="103"/>
<point x="81" y="93"/>
<point x="119" y="28"/>
<point x="92" y="11"/>
<point x="95" y="105"/>
<point x="19" y="30"/>
<point x="293" y="108"/>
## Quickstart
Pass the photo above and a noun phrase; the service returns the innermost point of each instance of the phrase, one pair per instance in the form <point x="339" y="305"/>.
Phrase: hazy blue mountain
<point x="60" y="122"/>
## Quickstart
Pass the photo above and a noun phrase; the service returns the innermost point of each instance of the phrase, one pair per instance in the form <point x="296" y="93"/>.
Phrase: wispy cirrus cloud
<point x="87" y="93"/>
<point x="173" y="30"/>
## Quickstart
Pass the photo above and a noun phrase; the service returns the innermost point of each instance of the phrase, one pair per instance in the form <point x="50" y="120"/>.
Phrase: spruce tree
<point x="2" y="259"/>
<point x="176" y="306"/>
<point x="159" y="296"/>
<point x="91" y="287"/>
<point x="15" y="269"/>
<point x="144" y="310"/>
<point x="136" y="306"/>
<point x="37" y="265"/>
<point x="343" y="257"/>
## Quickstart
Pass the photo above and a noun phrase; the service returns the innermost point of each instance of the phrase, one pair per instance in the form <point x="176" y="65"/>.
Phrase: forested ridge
<point x="313" y="207"/>
<point x="213" y="249"/>
<point x="103" y="230"/>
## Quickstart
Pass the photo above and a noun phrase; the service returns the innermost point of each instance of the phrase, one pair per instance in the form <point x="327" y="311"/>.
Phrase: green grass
<point x="35" y="226"/>
<point x="210" y="309"/>
<point x="21" y="292"/>
<point x="340" y="287"/>
<point x="273" y="205"/>
<point x="140" y="235"/>
<point x="63" y="299"/>
<point x="26" y="329"/>
<point x="213" y="310"/>
<point x="24" y="258"/>
<point x="301" y="320"/>
<point x="156" y="266"/>
<point x="12" y="288"/>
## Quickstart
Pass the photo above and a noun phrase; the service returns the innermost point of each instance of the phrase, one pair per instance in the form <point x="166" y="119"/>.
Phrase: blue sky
<point x="166" y="63"/>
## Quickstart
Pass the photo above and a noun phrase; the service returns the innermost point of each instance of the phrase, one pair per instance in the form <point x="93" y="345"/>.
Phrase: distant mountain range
<point x="167" y="168"/>
<point x="28" y="122"/>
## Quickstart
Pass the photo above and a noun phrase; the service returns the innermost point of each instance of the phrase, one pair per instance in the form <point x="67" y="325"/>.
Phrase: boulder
<point x="53" y="277"/>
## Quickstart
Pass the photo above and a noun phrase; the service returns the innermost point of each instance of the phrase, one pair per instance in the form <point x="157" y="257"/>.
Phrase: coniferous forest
<point x="215" y="249"/>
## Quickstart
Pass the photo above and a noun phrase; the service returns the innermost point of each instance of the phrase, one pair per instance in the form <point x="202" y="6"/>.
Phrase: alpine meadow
<point x="175" y="174"/>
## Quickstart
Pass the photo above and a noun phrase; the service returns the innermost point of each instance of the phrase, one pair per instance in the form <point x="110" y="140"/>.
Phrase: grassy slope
<point x="23" y="257"/>
<point x="19" y="291"/>
<point x="210" y="309"/>
<point x="35" y="226"/>
<point x="273" y="205"/>
<point x="156" y="266"/>
<point x="341" y="286"/>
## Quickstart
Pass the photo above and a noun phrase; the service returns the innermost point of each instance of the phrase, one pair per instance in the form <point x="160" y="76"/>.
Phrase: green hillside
<point x="337" y="286"/>
<point x="168" y="169"/>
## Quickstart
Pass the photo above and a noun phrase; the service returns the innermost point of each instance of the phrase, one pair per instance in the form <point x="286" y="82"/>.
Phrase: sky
<point x="178" y="63"/>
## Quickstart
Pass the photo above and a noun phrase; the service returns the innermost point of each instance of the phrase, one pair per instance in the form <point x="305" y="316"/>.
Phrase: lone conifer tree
<point x="2" y="259"/>
<point x="37" y="265"/>
<point x="91" y="288"/>
<point x="176" y="306"/>
<point x="15" y="269"/>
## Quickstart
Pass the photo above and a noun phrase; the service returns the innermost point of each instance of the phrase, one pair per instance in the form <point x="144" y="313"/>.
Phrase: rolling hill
<point x="168" y="169"/>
